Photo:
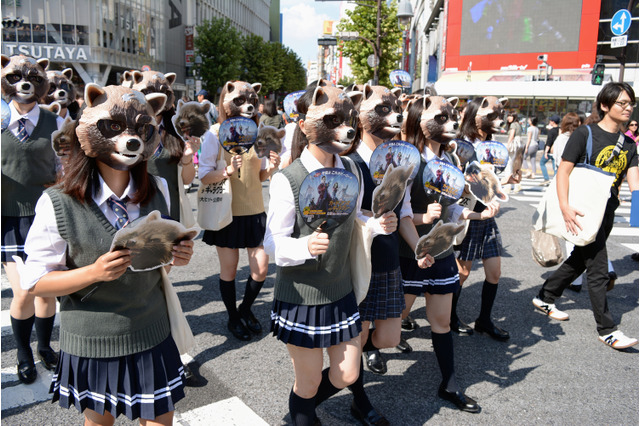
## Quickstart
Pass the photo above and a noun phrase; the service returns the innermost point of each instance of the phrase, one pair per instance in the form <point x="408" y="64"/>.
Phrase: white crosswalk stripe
<point x="622" y="233"/>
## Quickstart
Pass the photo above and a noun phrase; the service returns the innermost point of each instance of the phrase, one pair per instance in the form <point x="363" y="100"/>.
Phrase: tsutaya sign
<point x="53" y="52"/>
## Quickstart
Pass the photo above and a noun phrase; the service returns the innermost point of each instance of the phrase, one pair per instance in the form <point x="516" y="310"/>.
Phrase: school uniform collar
<point x="311" y="163"/>
<point x="364" y="152"/>
<point x="32" y="116"/>
<point x="429" y="155"/>
<point x="104" y="192"/>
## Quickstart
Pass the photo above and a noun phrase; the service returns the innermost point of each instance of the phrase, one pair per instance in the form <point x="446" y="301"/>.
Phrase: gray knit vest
<point x="27" y="166"/>
<point x="308" y="284"/>
<point x="121" y="317"/>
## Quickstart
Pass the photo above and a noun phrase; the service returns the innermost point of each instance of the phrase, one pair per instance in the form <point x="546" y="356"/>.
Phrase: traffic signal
<point x="597" y="74"/>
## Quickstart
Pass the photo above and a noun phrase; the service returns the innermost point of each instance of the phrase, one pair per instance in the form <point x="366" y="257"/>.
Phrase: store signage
<point x="55" y="52"/>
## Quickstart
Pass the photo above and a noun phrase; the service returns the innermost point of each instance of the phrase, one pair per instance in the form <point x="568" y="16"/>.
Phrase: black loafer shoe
<point x="375" y="362"/>
<point x="460" y="400"/>
<point x="48" y="358"/>
<point x="493" y="331"/>
<point x="575" y="288"/>
<point x="27" y="372"/>
<point x="409" y="324"/>
<point x="251" y="321"/>
<point x="404" y="346"/>
<point x="371" y="418"/>
<point x="461" y="328"/>
<point x="239" y="331"/>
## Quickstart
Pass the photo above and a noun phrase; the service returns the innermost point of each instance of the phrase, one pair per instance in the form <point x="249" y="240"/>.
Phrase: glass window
<point x="9" y="21"/>
<point x="52" y="9"/>
<point x="23" y="15"/>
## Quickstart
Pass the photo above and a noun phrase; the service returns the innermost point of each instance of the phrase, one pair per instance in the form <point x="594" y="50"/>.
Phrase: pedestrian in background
<point x="531" y="147"/>
<point x="270" y="116"/>
<point x="632" y="130"/>
<point x="547" y="156"/>
<point x="615" y="103"/>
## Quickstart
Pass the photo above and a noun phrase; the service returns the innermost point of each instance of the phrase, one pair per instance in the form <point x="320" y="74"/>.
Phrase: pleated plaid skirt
<point x="482" y="241"/>
<point x="143" y="385"/>
<point x="316" y="326"/>
<point x="441" y="278"/>
<point x="385" y="298"/>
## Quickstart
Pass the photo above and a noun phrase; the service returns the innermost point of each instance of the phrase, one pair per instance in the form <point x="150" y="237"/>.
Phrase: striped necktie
<point x="120" y="210"/>
<point x="23" y="135"/>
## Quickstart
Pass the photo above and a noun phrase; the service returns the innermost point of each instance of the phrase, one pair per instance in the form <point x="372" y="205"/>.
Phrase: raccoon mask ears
<point x="180" y="103"/>
<point x="5" y="60"/>
<point x="356" y="99"/>
<point x="396" y="91"/>
<point x="257" y="87"/>
<point x="91" y="94"/>
<point x="137" y="77"/>
<point x="171" y="77"/>
<point x="453" y="101"/>
<point x="426" y="102"/>
<point x="43" y="62"/>
<point x="504" y="101"/>
<point x="157" y="101"/>
<point x="205" y="107"/>
<point x="317" y="94"/>
<point x="67" y="72"/>
<point x="484" y="103"/>
<point x="127" y="79"/>
<point x="367" y="91"/>
<point x="54" y="107"/>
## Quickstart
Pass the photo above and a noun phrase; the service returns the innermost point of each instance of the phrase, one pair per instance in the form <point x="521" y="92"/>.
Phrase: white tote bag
<point x="214" y="201"/>
<point x="589" y="191"/>
<point x="180" y="330"/>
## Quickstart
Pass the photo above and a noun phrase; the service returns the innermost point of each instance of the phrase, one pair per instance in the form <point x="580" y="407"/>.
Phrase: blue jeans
<point x="543" y="165"/>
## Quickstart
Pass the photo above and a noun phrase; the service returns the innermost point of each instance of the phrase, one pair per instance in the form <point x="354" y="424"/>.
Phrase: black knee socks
<point x="228" y="293"/>
<point x="22" y="333"/>
<point x="250" y="293"/>
<point x="44" y="328"/>
<point x="443" y="347"/>
<point x="326" y="389"/>
<point x="369" y="346"/>
<point x="454" y="305"/>
<point x="489" y="291"/>
<point x="303" y="411"/>
<point x="357" y="389"/>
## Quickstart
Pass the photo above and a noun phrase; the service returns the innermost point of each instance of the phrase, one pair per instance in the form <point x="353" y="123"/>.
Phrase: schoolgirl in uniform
<point x="117" y="353"/>
<point x="248" y="225"/>
<point x="314" y="304"/>
<point x="440" y="281"/>
<point x="482" y="242"/>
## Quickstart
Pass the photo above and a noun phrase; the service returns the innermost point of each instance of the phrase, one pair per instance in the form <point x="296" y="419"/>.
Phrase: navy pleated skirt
<point x="242" y="232"/>
<point x="440" y="278"/>
<point x="14" y="234"/>
<point x="316" y="326"/>
<point x="143" y="385"/>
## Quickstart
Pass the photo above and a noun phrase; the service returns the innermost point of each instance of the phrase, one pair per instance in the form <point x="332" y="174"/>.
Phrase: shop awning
<point x="517" y="84"/>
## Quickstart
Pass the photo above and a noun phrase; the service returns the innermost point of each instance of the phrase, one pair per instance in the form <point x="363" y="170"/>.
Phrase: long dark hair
<point x="270" y="108"/>
<point x="468" y="128"/>
<point x="80" y="179"/>
<point x="175" y="145"/>
<point x="413" y="130"/>
<point x="299" y="140"/>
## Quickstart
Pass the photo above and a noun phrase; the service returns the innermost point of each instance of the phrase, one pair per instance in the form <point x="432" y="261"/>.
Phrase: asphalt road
<point x="548" y="372"/>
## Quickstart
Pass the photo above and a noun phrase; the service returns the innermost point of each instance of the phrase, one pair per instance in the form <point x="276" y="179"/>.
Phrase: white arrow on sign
<point x="620" y="24"/>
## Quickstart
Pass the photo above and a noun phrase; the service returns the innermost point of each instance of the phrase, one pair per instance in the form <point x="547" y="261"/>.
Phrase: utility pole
<point x="377" y="52"/>
<point x="623" y="56"/>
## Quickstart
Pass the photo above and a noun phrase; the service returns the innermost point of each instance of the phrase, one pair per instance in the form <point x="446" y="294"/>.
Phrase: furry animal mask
<point x="240" y="99"/>
<point x="61" y="88"/>
<point x="118" y="125"/>
<point x="332" y="118"/>
<point x="149" y="82"/>
<point x="192" y="118"/>
<point x="380" y="112"/>
<point x="24" y="79"/>
<point x="269" y="139"/>
<point x="490" y="115"/>
<point x="439" y="119"/>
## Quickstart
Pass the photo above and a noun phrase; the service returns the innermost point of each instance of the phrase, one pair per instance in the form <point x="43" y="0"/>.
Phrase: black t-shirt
<point x="551" y="136"/>
<point x="603" y="144"/>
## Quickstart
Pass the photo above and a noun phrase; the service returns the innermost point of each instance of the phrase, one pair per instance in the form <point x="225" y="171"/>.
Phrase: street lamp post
<point x="405" y="13"/>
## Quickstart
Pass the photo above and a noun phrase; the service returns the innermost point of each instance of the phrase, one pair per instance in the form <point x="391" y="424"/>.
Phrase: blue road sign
<point x="621" y="22"/>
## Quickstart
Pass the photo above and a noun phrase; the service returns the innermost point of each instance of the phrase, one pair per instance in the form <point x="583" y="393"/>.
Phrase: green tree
<point x="219" y="45"/>
<point x="257" y="64"/>
<point x="363" y="20"/>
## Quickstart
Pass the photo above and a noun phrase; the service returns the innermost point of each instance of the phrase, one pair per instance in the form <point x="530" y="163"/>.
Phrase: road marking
<point x="624" y="231"/>
<point x="228" y="412"/>
<point x="632" y="247"/>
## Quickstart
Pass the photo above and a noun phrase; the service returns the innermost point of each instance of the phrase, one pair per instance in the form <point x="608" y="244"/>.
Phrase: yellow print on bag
<point x="617" y="166"/>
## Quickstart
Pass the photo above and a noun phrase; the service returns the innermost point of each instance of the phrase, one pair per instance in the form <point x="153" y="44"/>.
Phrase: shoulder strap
<point x="351" y="167"/>
<point x="616" y="150"/>
<point x="589" y="145"/>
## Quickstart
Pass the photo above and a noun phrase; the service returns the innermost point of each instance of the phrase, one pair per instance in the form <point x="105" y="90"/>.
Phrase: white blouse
<point x="281" y="218"/>
<point x="209" y="148"/>
<point x="46" y="249"/>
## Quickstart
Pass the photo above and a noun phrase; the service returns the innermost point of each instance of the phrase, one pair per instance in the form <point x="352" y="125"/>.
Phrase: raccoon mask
<point x="149" y="82"/>
<point x="332" y="119"/>
<point x="490" y="115"/>
<point x="380" y="113"/>
<point x="118" y="125"/>
<point x="61" y="88"/>
<point x="439" y="119"/>
<point x="24" y="79"/>
<point x="240" y="99"/>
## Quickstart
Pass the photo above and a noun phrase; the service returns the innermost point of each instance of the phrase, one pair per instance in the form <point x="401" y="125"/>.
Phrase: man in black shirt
<point x="615" y="104"/>
<point x="554" y="122"/>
